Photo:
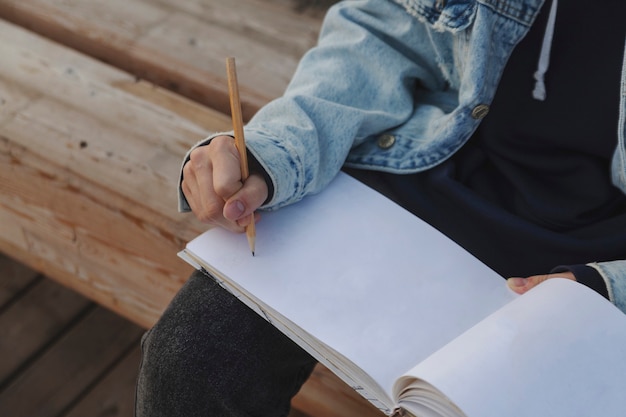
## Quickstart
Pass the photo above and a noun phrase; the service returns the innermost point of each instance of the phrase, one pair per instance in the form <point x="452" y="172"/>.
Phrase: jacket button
<point x="386" y="141"/>
<point x="480" y="111"/>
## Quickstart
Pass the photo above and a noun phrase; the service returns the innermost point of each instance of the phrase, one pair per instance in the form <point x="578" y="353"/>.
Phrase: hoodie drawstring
<point x="539" y="93"/>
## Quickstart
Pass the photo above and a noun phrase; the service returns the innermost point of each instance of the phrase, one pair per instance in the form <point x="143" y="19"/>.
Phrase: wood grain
<point x="14" y="278"/>
<point x="89" y="161"/>
<point x="182" y="45"/>
<point x="34" y="319"/>
<point x="77" y="359"/>
<point x="114" y="395"/>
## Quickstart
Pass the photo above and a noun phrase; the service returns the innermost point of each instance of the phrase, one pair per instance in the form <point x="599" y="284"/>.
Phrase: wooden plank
<point x="14" y="277"/>
<point x="51" y="384"/>
<point x="114" y="395"/>
<point x="30" y="323"/>
<point x="89" y="160"/>
<point x="182" y="45"/>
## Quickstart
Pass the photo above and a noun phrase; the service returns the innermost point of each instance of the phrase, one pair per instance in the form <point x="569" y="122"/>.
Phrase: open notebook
<point x="412" y="321"/>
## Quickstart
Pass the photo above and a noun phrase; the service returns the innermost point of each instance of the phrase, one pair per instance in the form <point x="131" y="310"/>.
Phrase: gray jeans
<point x="210" y="355"/>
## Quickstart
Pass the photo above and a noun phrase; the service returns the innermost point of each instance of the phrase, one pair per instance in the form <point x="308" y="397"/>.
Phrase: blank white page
<point x="361" y="274"/>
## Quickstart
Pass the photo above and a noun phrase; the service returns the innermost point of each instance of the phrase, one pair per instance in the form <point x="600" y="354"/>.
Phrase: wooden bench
<point x="182" y="45"/>
<point x="90" y="152"/>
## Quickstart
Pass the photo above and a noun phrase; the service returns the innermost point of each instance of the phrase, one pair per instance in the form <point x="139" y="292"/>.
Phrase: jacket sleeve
<point x="614" y="275"/>
<point x="358" y="82"/>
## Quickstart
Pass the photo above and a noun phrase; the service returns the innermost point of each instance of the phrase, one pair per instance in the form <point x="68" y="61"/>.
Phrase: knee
<point x="194" y="321"/>
<point x="213" y="345"/>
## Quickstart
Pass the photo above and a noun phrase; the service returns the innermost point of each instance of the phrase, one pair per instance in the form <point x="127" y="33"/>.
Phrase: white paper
<point x="559" y="350"/>
<point x="361" y="274"/>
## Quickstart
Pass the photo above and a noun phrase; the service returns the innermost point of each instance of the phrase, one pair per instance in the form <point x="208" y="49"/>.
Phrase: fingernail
<point x="516" y="282"/>
<point x="234" y="210"/>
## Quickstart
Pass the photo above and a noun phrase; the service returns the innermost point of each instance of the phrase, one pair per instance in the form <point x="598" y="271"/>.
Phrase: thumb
<point x="247" y="199"/>
<point x="522" y="285"/>
<point x="519" y="285"/>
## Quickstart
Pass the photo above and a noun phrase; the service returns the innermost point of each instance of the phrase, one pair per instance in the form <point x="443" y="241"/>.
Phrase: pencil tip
<point x="252" y="253"/>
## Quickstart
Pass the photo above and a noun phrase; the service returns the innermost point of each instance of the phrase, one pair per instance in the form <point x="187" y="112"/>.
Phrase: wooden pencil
<point x="240" y="142"/>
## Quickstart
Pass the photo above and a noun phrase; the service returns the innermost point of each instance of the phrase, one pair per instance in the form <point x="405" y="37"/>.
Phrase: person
<point x="501" y="123"/>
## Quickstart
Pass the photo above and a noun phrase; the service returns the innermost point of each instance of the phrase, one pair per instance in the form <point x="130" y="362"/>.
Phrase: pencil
<point x="240" y="141"/>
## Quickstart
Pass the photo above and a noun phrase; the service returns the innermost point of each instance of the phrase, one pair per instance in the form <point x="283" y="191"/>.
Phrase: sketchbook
<point x="412" y="321"/>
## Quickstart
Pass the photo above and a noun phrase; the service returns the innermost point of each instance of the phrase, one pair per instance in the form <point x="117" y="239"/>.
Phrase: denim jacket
<point x="397" y="86"/>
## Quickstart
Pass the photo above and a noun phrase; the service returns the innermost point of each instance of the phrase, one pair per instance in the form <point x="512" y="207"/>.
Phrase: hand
<point x="213" y="187"/>
<point x="522" y="285"/>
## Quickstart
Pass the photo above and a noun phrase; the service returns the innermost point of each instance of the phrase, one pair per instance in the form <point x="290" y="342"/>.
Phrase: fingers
<point x="213" y="188"/>
<point x="197" y="187"/>
<point x="522" y="285"/>
<point x="225" y="176"/>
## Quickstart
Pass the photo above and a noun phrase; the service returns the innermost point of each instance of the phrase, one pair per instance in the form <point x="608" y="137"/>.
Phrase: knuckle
<point x="222" y="141"/>
<point x="226" y="189"/>
<point x="194" y="154"/>
<point x="184" y="185"/>
<point x="197" y="158"/>
<point x="188" y="170"/>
